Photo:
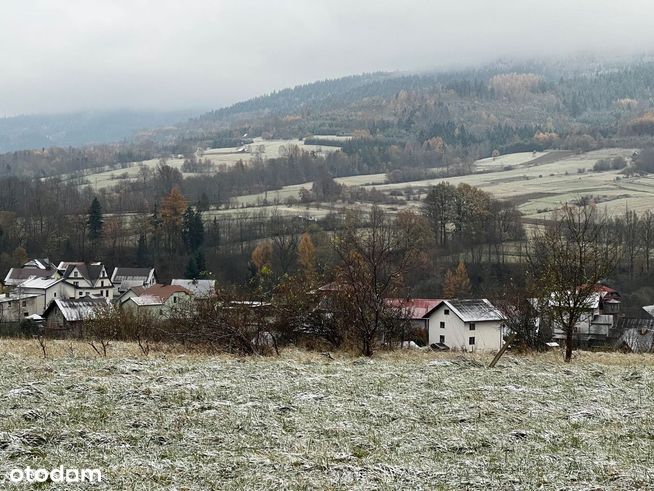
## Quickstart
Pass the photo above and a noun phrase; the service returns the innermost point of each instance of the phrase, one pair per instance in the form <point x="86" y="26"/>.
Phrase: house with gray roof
<point x="467" y="325"/>
<point x="198" y="288"/>
<point x="87" y="279"/>
<point x="16" y="306"/>
<point x="125" y="278"/>
<point x="70" y="313"/>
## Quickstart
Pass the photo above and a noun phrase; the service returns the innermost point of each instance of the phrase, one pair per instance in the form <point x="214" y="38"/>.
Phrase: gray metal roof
<point x="198" y="288"/>
<point x="474" y="310"/>
<point x="78" y="309"/>
<point x="131" y="274"/>
<point x="16" y="276"/>
<point x="638" y="340"/>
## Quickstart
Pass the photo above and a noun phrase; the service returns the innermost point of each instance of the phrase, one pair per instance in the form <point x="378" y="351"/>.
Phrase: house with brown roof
<point x="34" y="268"/>
<point x="159" y="301"/>
<point x="419" y="312"/>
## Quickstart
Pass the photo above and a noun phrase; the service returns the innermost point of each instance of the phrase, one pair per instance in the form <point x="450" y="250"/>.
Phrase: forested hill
<point x="503" y="103"/>
<point x="397" y="119"/>
<point x="321" y="96"/>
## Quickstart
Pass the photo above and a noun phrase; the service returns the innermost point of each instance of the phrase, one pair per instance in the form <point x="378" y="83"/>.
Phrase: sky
<point x="70" y="55"/>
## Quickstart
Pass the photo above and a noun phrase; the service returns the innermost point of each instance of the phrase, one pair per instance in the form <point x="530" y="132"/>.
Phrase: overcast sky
<point x="63" y="55"/>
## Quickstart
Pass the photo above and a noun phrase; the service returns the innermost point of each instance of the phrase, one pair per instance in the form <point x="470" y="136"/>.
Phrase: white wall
<point x="14" y="311"/>
<point x="488" y="335"/>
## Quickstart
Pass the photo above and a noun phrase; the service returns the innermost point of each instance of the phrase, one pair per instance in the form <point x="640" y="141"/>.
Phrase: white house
<point x="14" y="306"/>
<point x="87" y="279"/>
<point x="157" y="301"/>
<point x="469" y="325"/>
<point x="46" y="289"/>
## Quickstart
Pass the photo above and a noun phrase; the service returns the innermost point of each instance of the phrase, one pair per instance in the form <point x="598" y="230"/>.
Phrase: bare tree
<point x="375" y="256"/>
<point x="566" y="260"/>
<point x="521" y="313"/>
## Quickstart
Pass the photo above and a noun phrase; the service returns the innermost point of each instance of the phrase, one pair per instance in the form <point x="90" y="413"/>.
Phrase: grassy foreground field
<point x="301" y="421"/>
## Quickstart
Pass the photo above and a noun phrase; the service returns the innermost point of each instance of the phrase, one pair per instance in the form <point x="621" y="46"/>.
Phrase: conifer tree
<point x="95" y="221"/>
<point x="142" y="252"/>
<point x="192" y="271"/>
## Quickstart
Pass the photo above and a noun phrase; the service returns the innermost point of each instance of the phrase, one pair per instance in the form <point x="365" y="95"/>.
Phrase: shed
<point x="68" y="314"/>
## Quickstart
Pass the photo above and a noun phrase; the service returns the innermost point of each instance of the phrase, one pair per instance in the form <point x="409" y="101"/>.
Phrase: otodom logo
<point x="57" y="475"/>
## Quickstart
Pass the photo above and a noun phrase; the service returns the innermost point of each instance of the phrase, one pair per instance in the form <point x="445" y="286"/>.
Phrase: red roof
<point x="604" y="289"/>
<point x="161" y="291"/>
<point x="418" y="307"/>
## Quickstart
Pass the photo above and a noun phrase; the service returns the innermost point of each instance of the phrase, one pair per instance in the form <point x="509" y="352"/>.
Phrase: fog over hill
<point x="75" y="56"/>
<point x="80" y="128"/>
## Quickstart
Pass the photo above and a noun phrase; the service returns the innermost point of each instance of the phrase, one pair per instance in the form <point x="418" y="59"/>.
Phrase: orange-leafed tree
<point x="172" y="210"/>
<point x="457" y="282"/>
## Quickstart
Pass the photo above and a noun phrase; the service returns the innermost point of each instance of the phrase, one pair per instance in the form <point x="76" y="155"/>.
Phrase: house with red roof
<point x="157" y="300"/>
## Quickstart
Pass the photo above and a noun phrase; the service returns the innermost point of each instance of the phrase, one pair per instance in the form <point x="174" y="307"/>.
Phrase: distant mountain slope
<point x="325" y="94"/>
<point x="80" y="128"/>
<point x="500" y="104"/>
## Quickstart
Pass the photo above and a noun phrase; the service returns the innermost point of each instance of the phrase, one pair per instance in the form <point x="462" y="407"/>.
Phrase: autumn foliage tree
<point x="172" y="211"/>
<point x="457" y="282"/>
<point x="306" y="257"/>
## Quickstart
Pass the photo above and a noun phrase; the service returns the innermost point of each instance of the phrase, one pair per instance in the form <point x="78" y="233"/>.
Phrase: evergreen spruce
<point x="142" y="252"/>
<point x="95" y="220"/>
<point x="192" y="271"/>
<point x="192" y="229"/>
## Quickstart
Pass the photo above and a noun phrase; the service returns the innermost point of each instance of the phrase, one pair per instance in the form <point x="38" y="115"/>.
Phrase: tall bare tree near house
<point x="566" y="260"/>
<point x="374" y="259"/>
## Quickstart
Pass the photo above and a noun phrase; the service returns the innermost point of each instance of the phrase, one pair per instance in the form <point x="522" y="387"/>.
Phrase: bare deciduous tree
<point x="568" y="257"/>
<point x="375" y="256"/>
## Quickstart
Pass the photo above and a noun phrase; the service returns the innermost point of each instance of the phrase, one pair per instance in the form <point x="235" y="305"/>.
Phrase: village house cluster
<point x="72" y="292"/>
<point x="65" y="295"/>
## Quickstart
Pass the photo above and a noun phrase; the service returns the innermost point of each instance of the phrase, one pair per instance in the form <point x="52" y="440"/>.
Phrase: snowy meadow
<point x="304" y="421"/>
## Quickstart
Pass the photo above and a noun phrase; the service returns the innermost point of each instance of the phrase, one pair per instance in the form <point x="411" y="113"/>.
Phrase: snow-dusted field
<point x="302" y="421"/>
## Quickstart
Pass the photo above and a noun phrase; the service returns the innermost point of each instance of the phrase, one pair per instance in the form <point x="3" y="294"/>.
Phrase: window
<point x="160" y="311"/>
<point x="442" y="340"/>
<point x="25" y="314"/>
<point x="174" y="299"/>
<point x="442" y="325"/>
<point x="472" y="326"/>
<point x="471" y="340"/>
<point x="447" y="311"/>
<point x="24" y="303"/>
<point x="102" y="283"/>
<point x="8" y="304"/>
<point x="106" y="293"/>
<point x="55" y="294"/>
<point x="76" y="283"/>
